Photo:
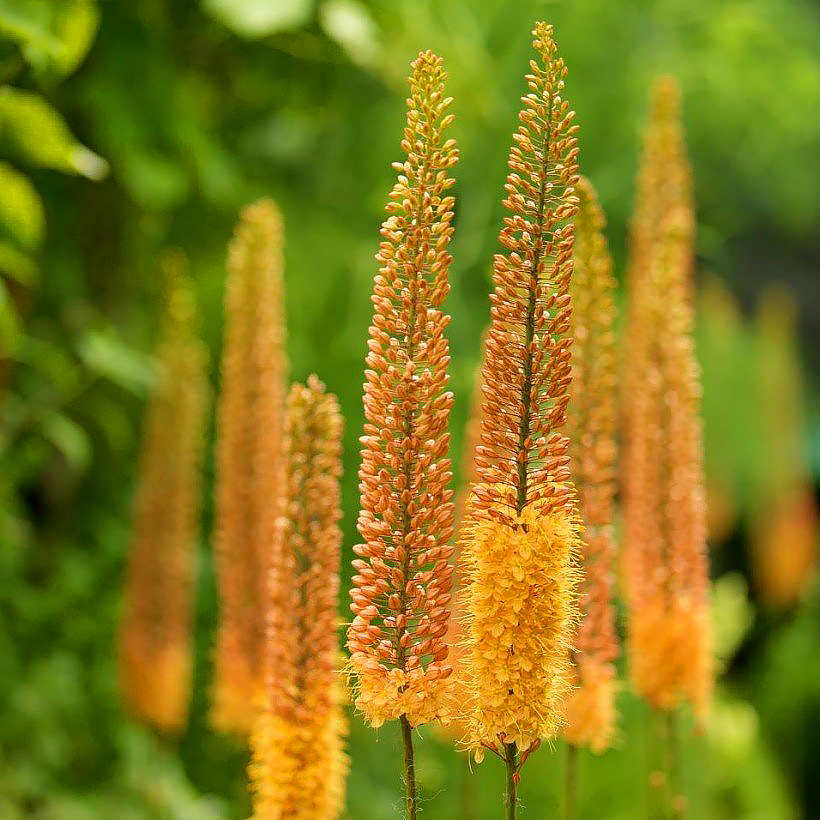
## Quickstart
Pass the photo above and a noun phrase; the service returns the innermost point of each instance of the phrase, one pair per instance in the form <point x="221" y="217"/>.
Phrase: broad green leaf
<point x="39" y="134"/>
<point x="258" y="18"/>
<point x="21" y="209"/>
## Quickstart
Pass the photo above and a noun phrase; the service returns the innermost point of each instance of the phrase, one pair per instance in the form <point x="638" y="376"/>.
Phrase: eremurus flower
<point x="401" y="589"/>
<point x="299" y="765"/>
<point x="665" y="558"/>
<point x="520" y="539"/>
<point x="249" y="458"/>
<point x="156" y="635"/>
<point x="591" y="425"/>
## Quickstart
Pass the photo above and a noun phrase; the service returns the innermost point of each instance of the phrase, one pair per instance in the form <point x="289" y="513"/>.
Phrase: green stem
<point x="510" y="797"/>
<point x="676" y="801"/>
<point x="409" y="768"/>
<point x="571" y="783"/>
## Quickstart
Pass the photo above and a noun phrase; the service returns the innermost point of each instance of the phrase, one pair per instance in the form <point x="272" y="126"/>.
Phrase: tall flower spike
<point x="666" y="573"/>
<point x="401" y="590"/>
<point x="299" y="765"/>
<point x="784" y="523"/>
<point x="591" y="427"/>
<point x="521" y="537"/>
<point x="156" y="636"/>
<point x="249" y="458"/>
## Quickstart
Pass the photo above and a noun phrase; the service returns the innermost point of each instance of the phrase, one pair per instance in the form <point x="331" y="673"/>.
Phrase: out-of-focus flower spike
<point x="249" y="458"/>
<point x="156" y="652"/>
<point x="665" y="556"/>
<point x="591" y="427"/>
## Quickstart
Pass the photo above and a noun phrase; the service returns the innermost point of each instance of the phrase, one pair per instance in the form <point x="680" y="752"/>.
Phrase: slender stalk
<point x="571" y="783"/>
<point x="409" y="768"/>
<point x="468" y="793"/>
<point x="511" y="797"/>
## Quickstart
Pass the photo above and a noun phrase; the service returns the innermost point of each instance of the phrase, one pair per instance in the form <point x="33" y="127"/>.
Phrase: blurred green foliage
<point x="128" y="127"/>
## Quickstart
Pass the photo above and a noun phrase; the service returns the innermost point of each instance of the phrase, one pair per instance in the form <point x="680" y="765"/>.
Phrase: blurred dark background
<point x="126" y="128"/>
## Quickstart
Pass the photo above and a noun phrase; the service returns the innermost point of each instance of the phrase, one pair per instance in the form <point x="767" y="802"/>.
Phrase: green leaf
<point x="21" y="209"/>
<point x="69" y="438"/>
<point x="258" y="18"/>
<point x="107" y="356"/>
<point x="38" y="133"/>
<point x="9" y="323"/>
<point x="17" y="265"/>
<point x="76" y="25"/>
<point x="349" y="23"/>
<point x="28" y="24"/>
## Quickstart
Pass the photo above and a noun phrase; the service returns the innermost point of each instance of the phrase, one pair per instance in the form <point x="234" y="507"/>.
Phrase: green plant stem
<point x="510" y="797"/>
<point x="409" y="768"/>
<point x="571" y="783"/>
<point x="676" y="803"/>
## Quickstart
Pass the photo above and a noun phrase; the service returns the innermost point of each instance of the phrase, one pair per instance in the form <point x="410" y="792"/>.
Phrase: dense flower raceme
<point x="299" y="765"/>
<point x="249" y="458"/>
<point x="401" y="589"/>
<point x="665" y="559"/>
<point x="520" y="536"/>
<point x="591" y="425"/>
<point x="156" y="638"/>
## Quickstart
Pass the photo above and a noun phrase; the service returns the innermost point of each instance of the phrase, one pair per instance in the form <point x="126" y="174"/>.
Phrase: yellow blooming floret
<point x="520" y="616"/>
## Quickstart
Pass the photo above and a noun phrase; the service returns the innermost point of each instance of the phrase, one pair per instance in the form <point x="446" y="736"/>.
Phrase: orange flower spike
<point x="591" y="427"/>
<point x="156" y="653"/>
<point x="299" y="765"/>
<point x="666" y="572"/>
<point x="401" y="589"/>
<point x="521" y="539"/>
<point x="249" y="458"/>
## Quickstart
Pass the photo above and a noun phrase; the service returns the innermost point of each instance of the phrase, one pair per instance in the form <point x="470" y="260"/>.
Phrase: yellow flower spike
<point x="156" y="634"/>
<point x="299" y="765"/>
<point x="520" y="607"/>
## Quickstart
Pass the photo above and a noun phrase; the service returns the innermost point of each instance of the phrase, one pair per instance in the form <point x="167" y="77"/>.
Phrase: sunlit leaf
<point x="257" y="18"/>
<point x="40" y="135"/>
<point x="27" y="23"/>
<point x="21" y="209"/>
<point x="349" y="23"/>
<point x="17" y="265"/>
<point x="76" y="25"/>
<point x="69" y="438"/>
<point x="107" y="356"/>
<point x="9" y="324"/>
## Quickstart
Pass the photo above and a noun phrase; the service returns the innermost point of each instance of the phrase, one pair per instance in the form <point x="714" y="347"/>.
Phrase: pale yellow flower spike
<point x="299" y="765"/>
<point x="591" y="423"/>
<point x="665" y="560"/>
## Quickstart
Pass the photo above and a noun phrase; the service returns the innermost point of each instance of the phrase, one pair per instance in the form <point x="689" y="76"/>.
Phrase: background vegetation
<point x="126" y="128"/>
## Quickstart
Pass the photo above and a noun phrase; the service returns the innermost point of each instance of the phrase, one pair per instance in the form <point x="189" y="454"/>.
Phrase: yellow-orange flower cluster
<point x="520" y="537"/>
<point x="299" y="765"/>
<point x="520" y="615"/>
<point x="249" y="458"/>
<point x="156" y="638"/>
<point x="591" y="425"/>
<point x="666" y="573"/>
<point x="401" y="590"/>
